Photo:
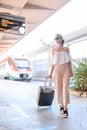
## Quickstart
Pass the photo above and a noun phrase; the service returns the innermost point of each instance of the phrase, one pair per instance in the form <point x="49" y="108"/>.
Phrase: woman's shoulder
<point x="53" y="50"/>
<point x="66" y="49"/>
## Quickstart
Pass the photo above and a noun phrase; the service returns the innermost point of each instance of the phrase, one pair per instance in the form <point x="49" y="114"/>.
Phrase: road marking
<point x="21" y="112"/>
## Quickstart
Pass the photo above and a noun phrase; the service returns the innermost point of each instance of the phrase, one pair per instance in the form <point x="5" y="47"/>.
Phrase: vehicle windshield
<point x="22" y="63"/>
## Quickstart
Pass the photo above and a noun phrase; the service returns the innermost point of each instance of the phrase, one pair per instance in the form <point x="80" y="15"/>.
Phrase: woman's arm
<point x="70" y="63"/>
<point x="52" y="65"/>
<point x="70" y="66"/>
<point x="51" y="71"/>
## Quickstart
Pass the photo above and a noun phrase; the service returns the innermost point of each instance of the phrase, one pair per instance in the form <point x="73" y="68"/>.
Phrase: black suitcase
<point x="45" y="95"/>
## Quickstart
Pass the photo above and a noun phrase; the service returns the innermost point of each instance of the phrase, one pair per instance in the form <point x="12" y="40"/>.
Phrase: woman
<point x="62" y="68"/>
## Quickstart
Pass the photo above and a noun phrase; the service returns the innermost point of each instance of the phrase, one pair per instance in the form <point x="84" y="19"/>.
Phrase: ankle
<point x="61" y="105"/>
<point x="65" y="108"/>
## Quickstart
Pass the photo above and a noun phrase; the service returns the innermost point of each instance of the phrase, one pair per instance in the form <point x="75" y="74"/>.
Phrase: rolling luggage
<point x="45" y="95"/>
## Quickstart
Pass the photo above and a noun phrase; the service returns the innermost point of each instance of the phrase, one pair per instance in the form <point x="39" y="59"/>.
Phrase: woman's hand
<point x="49" y="76"/>
<point x="71" y="74"/>
<point x="51" y="71"/>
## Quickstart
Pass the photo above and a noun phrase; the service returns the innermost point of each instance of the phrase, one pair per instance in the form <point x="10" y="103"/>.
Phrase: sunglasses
<point x="56" y="38"/>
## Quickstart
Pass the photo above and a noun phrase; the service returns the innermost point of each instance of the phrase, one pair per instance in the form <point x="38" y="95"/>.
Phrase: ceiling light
<point x="22" y="30"/>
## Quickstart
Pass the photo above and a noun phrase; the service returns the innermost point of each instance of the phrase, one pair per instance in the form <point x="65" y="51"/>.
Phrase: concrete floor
<point x="19" y="110"/>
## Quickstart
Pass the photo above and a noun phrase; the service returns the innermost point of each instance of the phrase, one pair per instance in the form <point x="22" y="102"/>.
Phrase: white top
<point x="61" y="57"/>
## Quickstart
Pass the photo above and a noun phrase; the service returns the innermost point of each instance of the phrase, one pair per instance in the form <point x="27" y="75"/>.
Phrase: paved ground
<point x="19" y="110"/>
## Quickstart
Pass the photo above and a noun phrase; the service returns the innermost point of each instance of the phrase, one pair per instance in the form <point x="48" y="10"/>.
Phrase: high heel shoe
<point x="65" y="113"/>
<point x="61" y="109"/>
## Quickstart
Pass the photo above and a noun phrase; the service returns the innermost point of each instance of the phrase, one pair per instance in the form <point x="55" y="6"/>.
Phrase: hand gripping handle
<point x="49" y="80"/>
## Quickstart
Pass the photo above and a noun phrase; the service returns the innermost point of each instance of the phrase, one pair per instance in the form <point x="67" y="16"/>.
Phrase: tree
<point x="79" y="81"/>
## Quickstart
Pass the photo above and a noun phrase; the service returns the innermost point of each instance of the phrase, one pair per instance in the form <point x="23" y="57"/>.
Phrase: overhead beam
<point x="31" y="6"/>
<point x="76" y="36"/>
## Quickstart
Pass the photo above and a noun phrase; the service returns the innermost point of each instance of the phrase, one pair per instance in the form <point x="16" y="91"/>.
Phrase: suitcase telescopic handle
<point x="50" y="81"/>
